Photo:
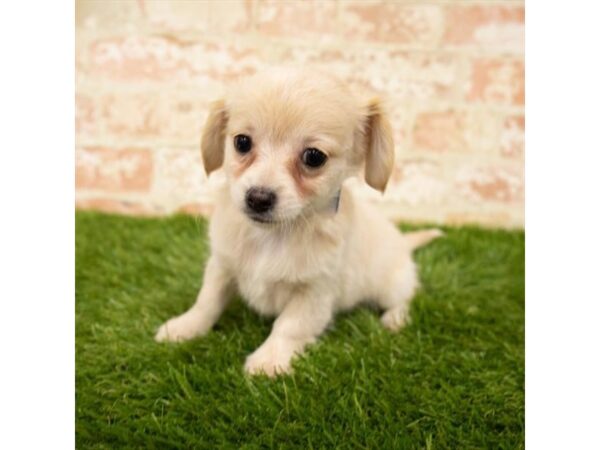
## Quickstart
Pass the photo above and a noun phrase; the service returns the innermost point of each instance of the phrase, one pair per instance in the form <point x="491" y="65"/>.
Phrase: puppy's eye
<point x="242" y="143"/>
<point x="313" y="157"/>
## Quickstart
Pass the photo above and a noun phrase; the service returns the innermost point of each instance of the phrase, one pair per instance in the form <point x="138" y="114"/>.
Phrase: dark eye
<point x="242" y="143"/>
<point x="313" y="157"/>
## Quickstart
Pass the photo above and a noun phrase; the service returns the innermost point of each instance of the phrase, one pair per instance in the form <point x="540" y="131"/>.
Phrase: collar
<point x="335" y="201"/>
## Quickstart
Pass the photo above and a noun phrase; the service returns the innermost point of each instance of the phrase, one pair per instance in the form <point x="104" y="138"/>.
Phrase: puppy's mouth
<point x="260" y="218"/>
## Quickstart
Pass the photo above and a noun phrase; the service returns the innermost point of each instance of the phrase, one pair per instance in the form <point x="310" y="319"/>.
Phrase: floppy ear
<point x="213" y="137"/>
<point x="379" y="161"/>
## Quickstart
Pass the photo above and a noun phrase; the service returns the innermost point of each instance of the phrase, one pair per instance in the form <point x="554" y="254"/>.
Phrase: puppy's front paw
<point x="270" y="359"/>
<point x="394" y="319"/>
<point x="181" y="328"/>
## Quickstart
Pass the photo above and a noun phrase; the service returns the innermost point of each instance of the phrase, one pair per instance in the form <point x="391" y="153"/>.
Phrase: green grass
<point x="453" y="378"/>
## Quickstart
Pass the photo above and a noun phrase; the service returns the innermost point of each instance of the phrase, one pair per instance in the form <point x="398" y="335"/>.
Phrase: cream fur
<point x="312" y="261"/>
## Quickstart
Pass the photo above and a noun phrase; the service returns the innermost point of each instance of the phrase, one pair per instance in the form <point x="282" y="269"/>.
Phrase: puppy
<point x="287" y="233"/>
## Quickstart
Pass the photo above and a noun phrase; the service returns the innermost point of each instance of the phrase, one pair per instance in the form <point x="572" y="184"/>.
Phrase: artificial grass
<point x="453" y="378"/>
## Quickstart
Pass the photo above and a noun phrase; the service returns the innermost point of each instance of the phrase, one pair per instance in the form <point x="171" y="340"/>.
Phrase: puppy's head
<point x="287" y="140"/>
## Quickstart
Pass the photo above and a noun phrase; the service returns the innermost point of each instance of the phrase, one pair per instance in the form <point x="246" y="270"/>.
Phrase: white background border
<point x="37" y="332"/>
<point x="562" y="225"/>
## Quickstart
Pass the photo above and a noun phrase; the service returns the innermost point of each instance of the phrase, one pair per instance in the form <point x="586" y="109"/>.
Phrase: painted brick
<point x="127" y="207"/>
<point x="234" y="16"/>
<point x="504" y="218"/>
<point x="135" y="117"/>
<point x="98" y="15"/>
<point x="497" y="81"/>
<point x="133" y="58"/>
<point x="417" y="182"/>
<point x="180" y="176"/>
<point x="394" y="22"/>
<point x="414" y="78"/>
<point x="416" y="75"/>
<point x="296" y="19"/>
<point x="440" y="131"/>
<point x="487" y="26"/>
<point x="399" y="118"/>
<point x="491" y="183"/>
<point x="166" y="59"/>
<point x="401" y="75"/>
<point x="190" y="17"/>
<point x="228" y="62"/>
<point x="176" y="17"/>
<point x="85" y="114"/>
<point x="457" y="131"/>
<point x="138" y="115"/>
<point x="122" y="170"/>
<point x="175" y="118"/>
<point x="197" y="209"/>
<point x="482" y="131"/>
<point x="512" y="139"/>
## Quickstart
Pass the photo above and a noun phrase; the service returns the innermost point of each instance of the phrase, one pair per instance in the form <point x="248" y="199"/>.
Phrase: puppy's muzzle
<point x="260" y="200"/>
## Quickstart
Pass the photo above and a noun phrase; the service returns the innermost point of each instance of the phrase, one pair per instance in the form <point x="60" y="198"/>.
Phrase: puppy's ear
<point x="213" y="137"/>
<point x="379" y="158"/>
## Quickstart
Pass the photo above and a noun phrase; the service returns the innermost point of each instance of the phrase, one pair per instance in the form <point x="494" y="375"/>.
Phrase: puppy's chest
<point x="269" y="274"/>
<point x="267" y="297"/>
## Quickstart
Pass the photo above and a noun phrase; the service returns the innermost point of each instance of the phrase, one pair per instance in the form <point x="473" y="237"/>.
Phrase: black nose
<point x="260" y="200"/>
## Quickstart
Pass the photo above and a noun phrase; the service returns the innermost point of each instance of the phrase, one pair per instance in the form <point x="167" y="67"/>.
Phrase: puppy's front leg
<point x="303" y="319"/>
<point x="211" y="302"/>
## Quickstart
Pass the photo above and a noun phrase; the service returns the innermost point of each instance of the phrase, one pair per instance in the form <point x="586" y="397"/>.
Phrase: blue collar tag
<point x="335" y="202"/>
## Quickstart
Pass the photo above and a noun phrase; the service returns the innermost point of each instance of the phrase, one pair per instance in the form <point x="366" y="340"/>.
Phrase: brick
<point x="480" y="184"/>
<point x="506" y="218"/>
<point x="108" y="205"/>
<point x="417" y="182"/>
<point x="135" y="58"/>
<point x="165" y="59"/>
<point x="158" y="119"/>
<point x="512" y="138"/>
<point x="499" y="27"/>
<point x="111" y="170"/>
<point x="394" y="22"/>
<point x="146" y="118"/>
<point x="399" y="118"/>
<point x="440" y="131"/>
<point x="497" y="81"/>
<point x="85" y="114"/>
<point x="482" y="131"/>
<point x="197" y="209"/>
<point x="99" y="15"/>
<point x="140" y="115"/>
<point x="180" y="177"/>
<point x="296" y="19"/>
<point x="456" y="131"/>
<point x="233" y="16"/>
<point x="176" y="17"/>
<point x="407" y="76"/>
<point x="191" y="17"/>
<point x="399" y="75"/>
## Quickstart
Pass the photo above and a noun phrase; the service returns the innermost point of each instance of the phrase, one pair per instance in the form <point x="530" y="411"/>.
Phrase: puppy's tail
<point x="419" y="238"/>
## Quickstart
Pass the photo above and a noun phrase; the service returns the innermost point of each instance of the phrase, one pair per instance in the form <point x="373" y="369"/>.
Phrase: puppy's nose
<point x="260" y="199"/>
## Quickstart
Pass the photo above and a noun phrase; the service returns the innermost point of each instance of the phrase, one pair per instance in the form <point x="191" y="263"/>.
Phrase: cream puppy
<point x="287" y="233"/>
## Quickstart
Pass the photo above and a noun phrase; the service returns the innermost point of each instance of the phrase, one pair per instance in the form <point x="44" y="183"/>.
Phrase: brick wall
<point x="452" y="72"/>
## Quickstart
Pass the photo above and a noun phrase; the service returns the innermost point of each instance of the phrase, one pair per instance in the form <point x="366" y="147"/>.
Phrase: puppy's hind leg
<point x="200" y="318"/>
<point x="405" y="282"/>
<point x="396" y="299"/>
